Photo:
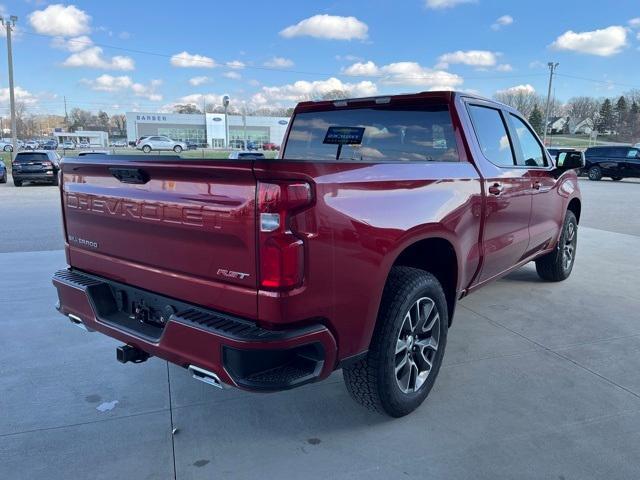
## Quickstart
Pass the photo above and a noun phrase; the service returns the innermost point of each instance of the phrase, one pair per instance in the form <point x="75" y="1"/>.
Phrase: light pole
<point x="9" y="24"/>
<point x="552" y="66"/>
<point x="225" y="104"/>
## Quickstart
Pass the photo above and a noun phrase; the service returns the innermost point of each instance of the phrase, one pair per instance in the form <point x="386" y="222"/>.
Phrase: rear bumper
<point x="241" y="353"/>
<point x="34" y="176"/>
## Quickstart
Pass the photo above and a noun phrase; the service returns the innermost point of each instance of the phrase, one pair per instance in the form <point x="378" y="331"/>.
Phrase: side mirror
<point x="570" y="160"/>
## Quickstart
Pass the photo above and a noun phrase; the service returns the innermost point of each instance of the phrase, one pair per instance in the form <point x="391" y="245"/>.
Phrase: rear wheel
<point x="17" y="183"/>
<point x="146" y="149"/>
<point x="8" y="148"/>
<point x="54" y="182"/>
<point x="177" y="149"/>
<point x="595" y="173"/>
<point x="616" y="179"/>
<point x="4" y="178"/>
<point x="407" y="347"/>
<point x="557" y="265"/>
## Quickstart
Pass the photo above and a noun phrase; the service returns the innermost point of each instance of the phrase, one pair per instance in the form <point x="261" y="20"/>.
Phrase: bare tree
<point x="581" y="108"/>
<point x="119" y="123"/>
<point x="522" y="100"/>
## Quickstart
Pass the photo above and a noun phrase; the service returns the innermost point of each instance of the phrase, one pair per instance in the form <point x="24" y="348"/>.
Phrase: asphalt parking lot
<point x="540" y="380"/>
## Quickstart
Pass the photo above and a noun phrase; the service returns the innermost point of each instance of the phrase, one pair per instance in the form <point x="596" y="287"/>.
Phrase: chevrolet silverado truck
<point x="349" y="251"/>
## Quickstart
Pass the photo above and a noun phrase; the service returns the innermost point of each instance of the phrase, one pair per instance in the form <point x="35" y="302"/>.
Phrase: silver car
<point x="159" y="143"/>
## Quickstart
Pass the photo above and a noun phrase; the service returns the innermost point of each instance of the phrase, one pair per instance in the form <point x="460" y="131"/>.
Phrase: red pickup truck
<point x="348" y="251"/>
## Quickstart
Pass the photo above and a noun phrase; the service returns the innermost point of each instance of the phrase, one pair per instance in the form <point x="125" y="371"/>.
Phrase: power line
<point x="603" y="82"/>
<point x="232" y="66"/>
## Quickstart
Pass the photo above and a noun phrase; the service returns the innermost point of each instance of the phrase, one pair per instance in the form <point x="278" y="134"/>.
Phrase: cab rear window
<point x="384" y="134"/>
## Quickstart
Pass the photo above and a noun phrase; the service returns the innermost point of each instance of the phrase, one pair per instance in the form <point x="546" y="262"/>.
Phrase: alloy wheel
<point x="417" y="345"/>
<point x="569" y="248"/>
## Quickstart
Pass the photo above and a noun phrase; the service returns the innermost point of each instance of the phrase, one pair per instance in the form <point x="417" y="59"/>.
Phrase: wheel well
<point x="438" y="257"/>
<point x="575" y="207"/>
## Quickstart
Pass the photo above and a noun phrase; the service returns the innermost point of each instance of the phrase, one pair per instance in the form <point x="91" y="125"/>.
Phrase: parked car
<point x="140" y="139"/>
<point x="6" y="146"/>
<point x="160" y="143"/>
<point x="349" y="252"/>
<point x="84" y="144"/>
<point x="617" y="162"/>
<point x="49" y="145"/>
<point x="31" y="145"/>
<point x="3" y="172"/>
<point x="238" y="155"/>
<point x="252" y="145"/>
<point x="270" y="146"/>
<point x="35" y="166"/>
<point x="191" y="145"/>
<point x="68" y="145"/>
<point x="555" y="151"/>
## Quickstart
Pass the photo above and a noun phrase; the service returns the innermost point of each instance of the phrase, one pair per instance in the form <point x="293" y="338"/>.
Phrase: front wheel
<point x="557" y="265"/>
<point x="177" y="149"/>
<point x="17" y="183"/>
<point x="407" y="347"/>
<point x="595" y="174"/>
<point x="146" y="149"/>
<point x="8" y="148"/>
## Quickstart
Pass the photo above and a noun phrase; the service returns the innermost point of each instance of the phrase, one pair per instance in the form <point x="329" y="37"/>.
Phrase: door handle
<point x="495" y="189"/>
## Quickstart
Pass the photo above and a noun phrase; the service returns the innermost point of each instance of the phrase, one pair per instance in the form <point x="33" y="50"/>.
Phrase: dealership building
<point x="210" y="128"/>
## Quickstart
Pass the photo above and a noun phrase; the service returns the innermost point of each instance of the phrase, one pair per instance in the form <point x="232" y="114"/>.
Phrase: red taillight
<point x="281" y="250"/>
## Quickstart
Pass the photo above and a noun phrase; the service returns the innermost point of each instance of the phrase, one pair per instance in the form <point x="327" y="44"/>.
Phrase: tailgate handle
<point x="130" y="175"/>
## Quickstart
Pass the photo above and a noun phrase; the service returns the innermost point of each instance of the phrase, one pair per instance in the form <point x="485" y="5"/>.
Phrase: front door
<point x="547" y="215"/>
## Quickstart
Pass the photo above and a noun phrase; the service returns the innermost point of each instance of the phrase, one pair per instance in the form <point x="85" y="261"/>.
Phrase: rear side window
<point x="31" y="157"/>
<point x="532" y="153"/>
<point x="385" y="134"/>
<point x="492" y="135"/>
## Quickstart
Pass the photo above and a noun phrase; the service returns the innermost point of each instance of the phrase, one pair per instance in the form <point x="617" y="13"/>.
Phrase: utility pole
<point x="66" y="117"/>
<point x="9" y="24"/>
<point x="552" y="66"/>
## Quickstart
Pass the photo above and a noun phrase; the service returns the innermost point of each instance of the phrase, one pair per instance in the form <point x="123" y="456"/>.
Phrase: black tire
<point x="3" y="179"/>
<point x="553" y="266"/>
<point x="55" y="181"/>
<point x="594" y="173"/>
<point x="372" y="381"/>
<point x="177" y="149"/>
<point x="17" y="183"/>
<point x="146" y="149"/>
<point x="616" y="179"/>
<point x="8" y="148"/>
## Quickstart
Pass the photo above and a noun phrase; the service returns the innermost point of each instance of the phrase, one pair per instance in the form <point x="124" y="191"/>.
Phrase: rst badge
<point x="231" y="274"/>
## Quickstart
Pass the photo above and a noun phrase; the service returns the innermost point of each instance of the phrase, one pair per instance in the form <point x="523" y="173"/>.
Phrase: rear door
<point x="632" y="164"/>
<point x="508" y="192"/>
<point x="183" y="229"/>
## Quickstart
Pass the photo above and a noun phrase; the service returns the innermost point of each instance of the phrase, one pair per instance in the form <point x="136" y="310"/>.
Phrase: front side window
<point x="532" y="152"/>
<point x="633" y="153"/>
<point x="492" y="135"/>
<point x="385" y="134"/>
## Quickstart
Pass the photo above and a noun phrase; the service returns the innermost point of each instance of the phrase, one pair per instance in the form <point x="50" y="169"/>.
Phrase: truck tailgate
<point x="182" y="228"/>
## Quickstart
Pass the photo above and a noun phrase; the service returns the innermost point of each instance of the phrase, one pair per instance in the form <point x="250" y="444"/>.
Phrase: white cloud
<point x="604" y="42"/>
<point x="197" y="81"/>
<point x="197" y="99"/>
<point x="504" y="67"/>
<point x="60" y="20"/>
<point x="305" y="90"/>
<point x="635" y="22"/>
<point x="519" y="89"/>
<point x="21" y="96"/>
<point x="237" y="64"/>
<point x="406" y="73"/>
<point x="502" y="21"/>
<point x="109" y="83"/>
<point x="442" y="4"/>
<point x="279" y="62"/>
<point x="537" y="64"/>
<point x="75" y="44"/>
<point x="92" y="58"/>
<point x="189" y="60"/>
<point x="328" y="27"/>
<point x="232" y="75"/>
<point x="475" y="58"/>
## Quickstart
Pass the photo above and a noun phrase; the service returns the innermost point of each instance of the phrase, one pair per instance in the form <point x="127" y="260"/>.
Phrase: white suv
<point x="160" y="143"/>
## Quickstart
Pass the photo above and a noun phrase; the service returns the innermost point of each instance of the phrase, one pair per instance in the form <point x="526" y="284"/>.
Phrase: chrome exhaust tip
<point x="77" y="321"/>
<point x="204" y="376"/>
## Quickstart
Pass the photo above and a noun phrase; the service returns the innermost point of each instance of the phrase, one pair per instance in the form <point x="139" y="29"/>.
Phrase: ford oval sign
<point x="283" y="122"/>
<point x="217" y="119"/>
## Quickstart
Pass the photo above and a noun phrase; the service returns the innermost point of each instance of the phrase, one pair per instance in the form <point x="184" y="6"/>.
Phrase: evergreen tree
<point x="606" y="120"/>
<point x="536" y="120"/>
<point x="621" y="114"/>
<point x="634" y="121"/>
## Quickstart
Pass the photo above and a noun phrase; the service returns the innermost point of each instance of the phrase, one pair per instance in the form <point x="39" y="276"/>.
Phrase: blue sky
<point x="273" y="53"/>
